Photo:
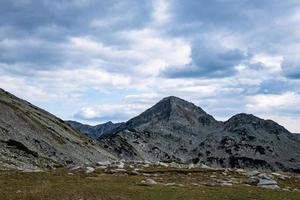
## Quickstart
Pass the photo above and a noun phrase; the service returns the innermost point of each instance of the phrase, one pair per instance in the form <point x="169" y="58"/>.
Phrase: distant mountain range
<point x="94" y="131"/>
<point x="173" y="130"/>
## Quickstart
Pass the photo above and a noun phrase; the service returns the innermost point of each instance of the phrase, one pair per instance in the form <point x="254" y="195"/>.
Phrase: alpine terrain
<point x="32" y="138"/>
<point x="175" y="130"/>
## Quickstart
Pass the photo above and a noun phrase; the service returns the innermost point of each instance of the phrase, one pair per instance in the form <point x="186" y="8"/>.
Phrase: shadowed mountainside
<point x="33" y="138"/>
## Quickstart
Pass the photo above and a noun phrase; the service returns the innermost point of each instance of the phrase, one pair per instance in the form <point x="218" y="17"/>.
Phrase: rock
<point x="281" y="176"/>
<point x="267" y="182"/>
<point x="170" y="184"/>
<point x="252" y="181"/>
<point x="253" y="173"/>
<point x="211" y="184"/>
<point x="105" y="163"/>
<point x="120" y="170"/>
<point x="76" y="168"/>
<point x="32" y="170"/>
<point x="264" y="176"/>
<point x="191" y="166"/>
<point x="203" y="166"/>
<point x="133" y="173"/>
<point x="174" y="184"/>
<point x="163" y="164"/>
<point x="121" y="165"/>
<point x="226" y="184"/>
<point x="149" y="181"/>
<point x="89" y="170"/>
<point x="146" y="165"/>
<point x="101" y="167"/>
<point x="241" y="171"/>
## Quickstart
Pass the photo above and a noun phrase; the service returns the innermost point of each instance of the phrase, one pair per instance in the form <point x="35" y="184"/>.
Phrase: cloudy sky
<point x="100" y="60"/>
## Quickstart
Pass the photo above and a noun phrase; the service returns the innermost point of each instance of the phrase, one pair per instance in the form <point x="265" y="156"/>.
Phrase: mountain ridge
<point x="93" y="131"/>
<point x="174" y="130"/>
<point x="32" y="138"/>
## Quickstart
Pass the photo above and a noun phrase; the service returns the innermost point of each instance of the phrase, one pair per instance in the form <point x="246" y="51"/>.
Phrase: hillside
<point x="32" y="138"/>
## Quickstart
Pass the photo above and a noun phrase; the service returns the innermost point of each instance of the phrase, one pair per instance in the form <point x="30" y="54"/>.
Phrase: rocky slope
<point x="94" y="131"/>
<point x="176" y="130"/>
<point x="33" y="138"/>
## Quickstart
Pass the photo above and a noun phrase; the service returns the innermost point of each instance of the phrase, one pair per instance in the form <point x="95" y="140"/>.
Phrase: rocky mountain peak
<point x="172" y="109"/>
<point x="249" y="122"/>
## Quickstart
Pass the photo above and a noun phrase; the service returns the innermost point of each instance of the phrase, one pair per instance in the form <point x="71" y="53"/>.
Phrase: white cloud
<point x="273" y="63"/>
<point x="267" y="102"/>
<point x="289" y="122"/>
<point x="116" y="112"/>
<point x="157" y="53"/>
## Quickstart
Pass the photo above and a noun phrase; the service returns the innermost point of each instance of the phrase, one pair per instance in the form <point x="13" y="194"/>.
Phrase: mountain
<point x="94" y="131"/>
<point x="33" y="138"/>
<point x="179" y="131"/>
<point x="165" y="132"/>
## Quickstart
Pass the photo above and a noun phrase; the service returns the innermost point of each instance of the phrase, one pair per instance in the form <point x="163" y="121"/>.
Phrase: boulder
<point x="105" y="163"/>
<point x="267" y="182"/>
<point x="149" y="181"/>
<point x="252" y="173"/>
<point x="252" y="180"/>
<point x="89" y="170"/>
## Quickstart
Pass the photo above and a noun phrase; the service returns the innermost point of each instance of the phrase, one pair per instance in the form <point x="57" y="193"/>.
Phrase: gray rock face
<point x="267" y="182"/>
<point x="33" y="138"/>
<point x="94" y="131"/>
<point x="179" y="131"/>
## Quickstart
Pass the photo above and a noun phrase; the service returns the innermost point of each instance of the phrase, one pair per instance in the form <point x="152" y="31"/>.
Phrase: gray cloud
<point x="33" y="33"/>
<point x="291" y="68"/>
<point x="211" y="62"/>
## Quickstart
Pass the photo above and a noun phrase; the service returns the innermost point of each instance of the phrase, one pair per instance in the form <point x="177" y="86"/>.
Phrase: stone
<point x="120" y="170"/>
<point x="32" y="170"/>
<point x="252" y="181"/>
<point x="105" y="163"/>
<point x="242" y="171"/>
<point x="253" y="173"/>
<point x="89" y="170"/>
<point x="191" y="166"/>
<point x="163" y="164"/>
<point x="266" y="182"/>
<point x="76" y="168"/>
<point x="226" y="184"/>
<point x="281" y="176"/>
<point x="149" y="181"/>
<point x="121" y="165"/>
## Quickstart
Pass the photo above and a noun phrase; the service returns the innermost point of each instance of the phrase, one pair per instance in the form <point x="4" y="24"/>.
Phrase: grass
<point x="60" y="185"/>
